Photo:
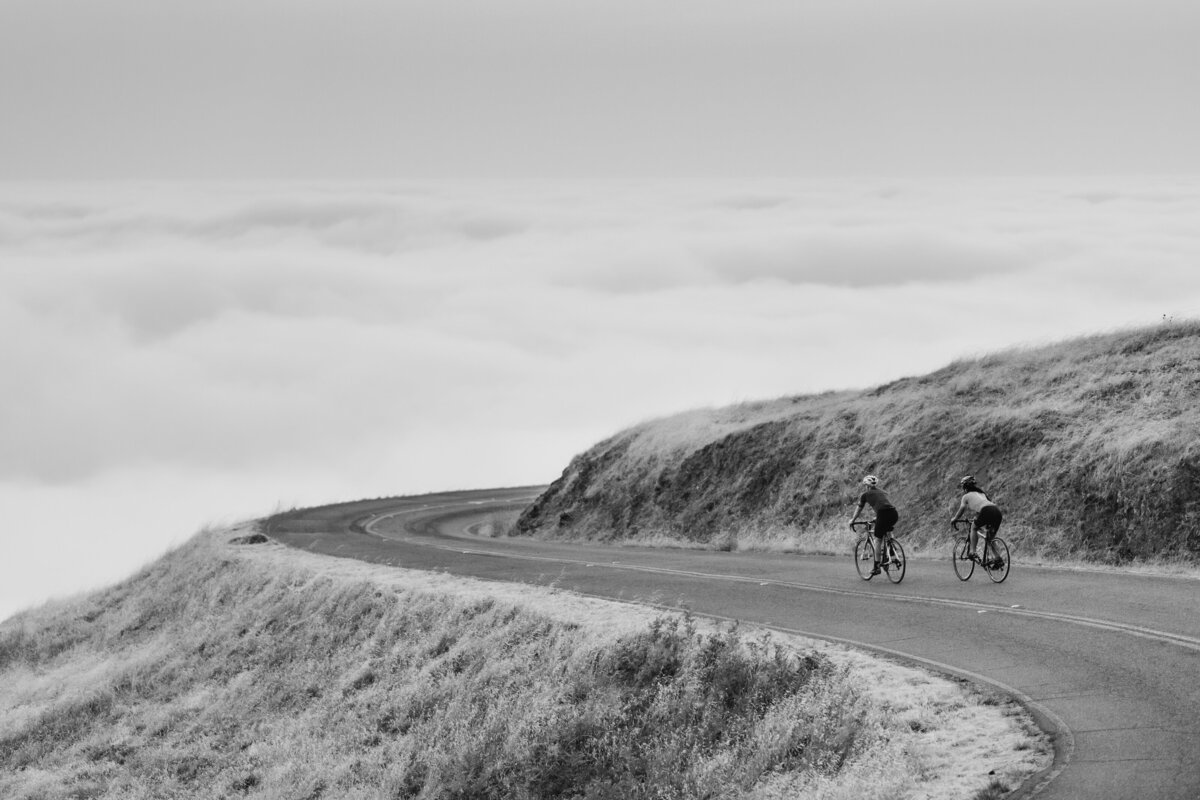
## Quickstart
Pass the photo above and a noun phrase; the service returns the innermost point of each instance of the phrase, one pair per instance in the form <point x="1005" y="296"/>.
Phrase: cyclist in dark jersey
<point x="987" y="517"/>
<point x="886" y="514"/>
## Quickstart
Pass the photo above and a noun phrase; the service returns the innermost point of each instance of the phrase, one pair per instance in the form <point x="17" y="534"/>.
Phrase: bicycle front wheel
<point x="864" y="557"/>
<point x="895" y="563"/>
<point x="997" y="571"/>
<point x="964" y="567"/>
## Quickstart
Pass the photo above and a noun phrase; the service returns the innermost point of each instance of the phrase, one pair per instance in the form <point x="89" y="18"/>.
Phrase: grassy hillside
<point x="1090" y="446"/>
<point x="259" y="671"/>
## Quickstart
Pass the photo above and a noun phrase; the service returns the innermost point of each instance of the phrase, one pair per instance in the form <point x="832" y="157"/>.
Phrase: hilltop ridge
<point x="1090" y="446"/>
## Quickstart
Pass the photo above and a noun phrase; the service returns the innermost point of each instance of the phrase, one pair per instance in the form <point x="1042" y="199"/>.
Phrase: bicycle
<point x="996" y="566"/>
<point x="894" y="562"/>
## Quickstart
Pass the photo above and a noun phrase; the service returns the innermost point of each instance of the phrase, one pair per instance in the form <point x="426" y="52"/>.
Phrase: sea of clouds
<point x="183" y="354"/>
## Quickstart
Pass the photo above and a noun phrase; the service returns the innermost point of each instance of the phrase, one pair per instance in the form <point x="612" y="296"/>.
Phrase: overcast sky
<point x="277" y="253"/>
<point x="569" y="88"/>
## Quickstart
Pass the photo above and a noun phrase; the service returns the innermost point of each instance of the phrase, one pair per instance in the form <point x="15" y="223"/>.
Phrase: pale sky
<point x="271" y="254"/>
<point x="574" y="88"/>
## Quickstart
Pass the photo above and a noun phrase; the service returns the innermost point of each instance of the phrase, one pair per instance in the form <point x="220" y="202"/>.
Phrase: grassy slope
<point x="264" y="672"/>
<point x="226" y="670"/>
<point x="1089" y="446"/>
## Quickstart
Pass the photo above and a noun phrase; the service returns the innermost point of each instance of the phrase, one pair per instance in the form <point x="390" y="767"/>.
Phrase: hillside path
<point x="1109" y="663"/>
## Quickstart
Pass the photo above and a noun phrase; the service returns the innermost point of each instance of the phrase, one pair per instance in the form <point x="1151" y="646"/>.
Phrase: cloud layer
<point x="223" y="327"/>
<point x="396" y="338"/>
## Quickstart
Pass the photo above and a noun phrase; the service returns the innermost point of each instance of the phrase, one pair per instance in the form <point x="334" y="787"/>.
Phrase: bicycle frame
<point x="996" y="560"/>
<point x="970" y="531"/>
<point x="892" y="560"/>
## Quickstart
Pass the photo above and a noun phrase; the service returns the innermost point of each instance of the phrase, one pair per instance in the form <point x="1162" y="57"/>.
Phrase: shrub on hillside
<point x="670" y="713"/>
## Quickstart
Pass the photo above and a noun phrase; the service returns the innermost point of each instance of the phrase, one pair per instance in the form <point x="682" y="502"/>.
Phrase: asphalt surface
<point x="1108" y="663"/>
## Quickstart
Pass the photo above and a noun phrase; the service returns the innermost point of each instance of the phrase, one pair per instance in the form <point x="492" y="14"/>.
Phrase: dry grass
<point x="258" y="671"/>
<point x="1090" y="447"/>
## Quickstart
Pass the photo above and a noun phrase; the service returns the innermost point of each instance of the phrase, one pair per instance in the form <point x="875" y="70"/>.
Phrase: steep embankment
<point x="262" y="671"/>
<point x="1090" y="446"/>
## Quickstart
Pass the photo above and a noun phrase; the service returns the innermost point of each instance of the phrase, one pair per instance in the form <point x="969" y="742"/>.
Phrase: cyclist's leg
<point x="997" y="518"/>
<point x="992" y="551"/>
<point x="885" y="521"/>
<point x="989" y="522"/>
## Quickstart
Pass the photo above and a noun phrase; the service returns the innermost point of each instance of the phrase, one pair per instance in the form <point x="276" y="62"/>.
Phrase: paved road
<point x="1108" y="663"/>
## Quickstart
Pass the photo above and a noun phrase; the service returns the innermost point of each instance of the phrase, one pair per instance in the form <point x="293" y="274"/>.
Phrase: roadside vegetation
<point x="1090" y="446"/>
<point x="227" y="670"/>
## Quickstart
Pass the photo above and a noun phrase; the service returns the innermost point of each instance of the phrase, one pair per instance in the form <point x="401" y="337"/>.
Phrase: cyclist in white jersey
<point x="987" y="516"/>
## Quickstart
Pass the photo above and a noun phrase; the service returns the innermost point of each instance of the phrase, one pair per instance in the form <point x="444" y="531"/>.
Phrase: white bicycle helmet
<point x="871" y="481"/>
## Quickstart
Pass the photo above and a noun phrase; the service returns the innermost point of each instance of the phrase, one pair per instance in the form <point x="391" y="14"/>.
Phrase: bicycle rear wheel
<point x="997" y="572"/>
<point x="894" y="562"/>
<point x="864" y="557"/>
<point x="964" y="567"/>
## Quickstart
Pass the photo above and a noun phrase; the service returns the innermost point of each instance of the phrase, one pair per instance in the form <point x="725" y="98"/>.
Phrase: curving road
<point x="1109" y="664"/>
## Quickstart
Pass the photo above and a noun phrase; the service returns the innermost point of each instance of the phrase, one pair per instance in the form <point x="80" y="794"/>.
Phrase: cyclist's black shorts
<point x="988" y="520"/>
<point x="885" y="520"/>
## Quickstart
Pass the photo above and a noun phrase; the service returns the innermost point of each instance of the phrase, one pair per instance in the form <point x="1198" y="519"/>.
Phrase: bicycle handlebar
<point x="863" y="522"/>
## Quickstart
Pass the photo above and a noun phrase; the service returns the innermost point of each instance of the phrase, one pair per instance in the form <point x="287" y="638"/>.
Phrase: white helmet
<point x="871" y="481"/>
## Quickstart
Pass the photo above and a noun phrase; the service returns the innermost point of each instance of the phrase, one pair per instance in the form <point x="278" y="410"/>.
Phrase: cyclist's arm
<point x="857" y="511"/>
<point x="962" y="506"/>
